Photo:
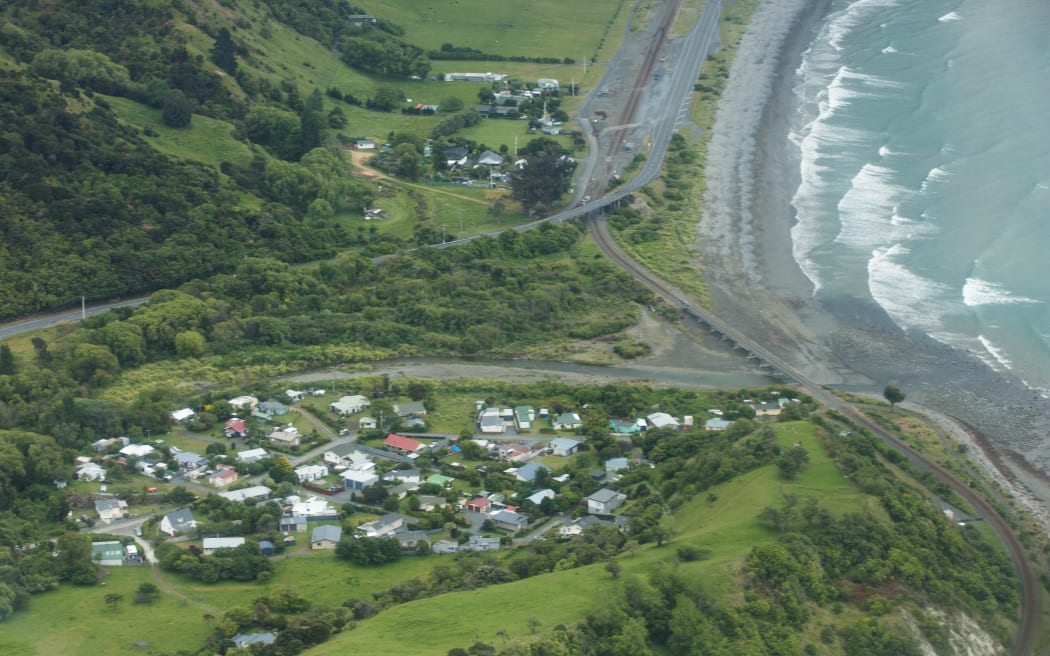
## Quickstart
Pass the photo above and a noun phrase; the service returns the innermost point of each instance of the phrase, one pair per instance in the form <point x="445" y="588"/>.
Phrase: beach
<point x="845" y="341"/>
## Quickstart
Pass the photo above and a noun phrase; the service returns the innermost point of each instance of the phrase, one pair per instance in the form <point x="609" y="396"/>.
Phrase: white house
<point x="547" y="84"/>
<point x="307" y="473"/>
<point x="385" y="525"/>
<point x="538" y="497"/>
<point x="287" y="436"/>
<point x="662" y="420"/>
<point x="326" y="536"/>
<point x="716" y="424"/>
<point x="313" y="508"/>
<point x="179" y="521"/>
<point x="604" y="501"/>
<point x="223" y="477"/>
<point x="356" y="479"/>
<point x="212" y="544"/>
<point x="564" y="446"/>
<point x="111" y="509"/>
<point x="366" y="423"/>
<point x="489" y="421"/>
<point x="349" y="405"/>
<point x="567" y="421"/>
<point x="254" y="492"/>
<point x="252" y="455"/>
<point x="182" y="415"/>
<point x="136" y="450"/>
<point x="524" y="415"/>
<point x="91" y="472"/>
<point x="244" y="402"/>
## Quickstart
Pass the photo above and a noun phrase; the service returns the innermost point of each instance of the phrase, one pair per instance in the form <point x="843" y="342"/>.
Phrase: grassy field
<point x="76" y="620"/>
<point x="207" y="140"/>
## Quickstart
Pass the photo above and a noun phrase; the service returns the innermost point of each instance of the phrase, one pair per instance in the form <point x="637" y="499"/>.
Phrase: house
<point x="716" y="424"/>
<point x="236" y="428"/>
<point x="374" y="214"/>
<point x="190" y="460"/>
<point x="366" y="423"/>
<point x="348" y="405"/>
<point x="210" y="545"/>
<point x="269" y="409"/>
<point x="538" y="497"/>
<point x="430" y="502"/>
<point x="410" y="409"/>
<point x="179" y="521"/>
<point x="613" y="465"/>
<point x="385" y="525"/>
<point x="456" y="157"/>
<point x="249" y="639"/>
<point x="307" y="473"/>
<point x="662" y="420"/>
<point x="294" y="396"/>
<point x="111" y="509"/>
<point x="107" y="554"/>
<point x="440" y="480"/>
<point x="179" y="416"/>
<point x="509" y="520"/>
<point x="547" y="84"/>
<point x="567" y="421"/>
<point x="480" y="505"/>
<point x="252" y="455"/>
<point x="408" y="540"/>
<point x="287" y="436"/>
<point x="254" y="492"/>
<point x="358" y="479"/>
<point x="476" y="77"/>
<point x="623" y="427"/>
<point x="267" y="548"/>
<point x="91" y="472"/>
<point x="223" y="477"/>
<point x="326" y="536"/>
<point x="605" y="501"/>
<point x="482" y="543"/>
<point x="489" y="158"/>
<point x="365" y="144"/>
<point x="401" y="444"/>
<point x="444" y="547"/>
<point x="516" y="452"/>
<point x="489" y="421"/>
<point x="292" y="524"/>
<point x="524" y="415"/>
<point x="136" y="450"/>
<point x="313" y="508"/>
<point x="402" y="476"/>
<point x="528" y="472"/>
<point x="103" y="446"/>
<point x="244" y="403"/>
<point x="565" y="446"/>
<point x="766" y="409"/>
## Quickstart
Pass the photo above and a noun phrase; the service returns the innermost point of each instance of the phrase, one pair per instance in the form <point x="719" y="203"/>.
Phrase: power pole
<point x="443" y="226"/>
<point x="83" y="307"/>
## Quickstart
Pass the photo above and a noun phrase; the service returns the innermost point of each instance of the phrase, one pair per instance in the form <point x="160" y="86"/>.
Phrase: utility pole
<point x="443" y="226"/>
<point x="83" y="307"/>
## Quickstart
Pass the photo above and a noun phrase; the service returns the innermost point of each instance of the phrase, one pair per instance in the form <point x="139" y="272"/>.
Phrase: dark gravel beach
<point x="845" y="342"/>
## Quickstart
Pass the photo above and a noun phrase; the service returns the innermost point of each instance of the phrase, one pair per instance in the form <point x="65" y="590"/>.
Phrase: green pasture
<point x="549" y="28"/>
<point x="207" y="140"/>
<point x="76" y="620"/>
<point x="433" y="626"/>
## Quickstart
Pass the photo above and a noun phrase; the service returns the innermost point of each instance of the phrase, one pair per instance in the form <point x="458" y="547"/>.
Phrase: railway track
<point x="1026" y="637"/>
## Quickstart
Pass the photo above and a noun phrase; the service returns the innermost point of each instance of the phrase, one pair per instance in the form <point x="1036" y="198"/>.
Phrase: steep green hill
<point x="147" y="143"/>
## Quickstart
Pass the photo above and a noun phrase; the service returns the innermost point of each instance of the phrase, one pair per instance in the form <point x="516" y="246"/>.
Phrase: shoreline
<point x="744" y="240"/>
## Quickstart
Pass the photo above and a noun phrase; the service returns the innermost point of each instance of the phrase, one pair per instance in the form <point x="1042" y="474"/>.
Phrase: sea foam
<point x="982" y="292"/>
<point x="911" y="300"/>
<point x="949" y="17"/>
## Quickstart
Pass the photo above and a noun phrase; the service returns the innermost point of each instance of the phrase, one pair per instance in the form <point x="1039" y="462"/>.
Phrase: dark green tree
<point x="224" y="52"/>
<point x="177" y="111"/>
<point x="8" y="366"/>
<point x="544" y="177"/>
<point x="893" y="394"/>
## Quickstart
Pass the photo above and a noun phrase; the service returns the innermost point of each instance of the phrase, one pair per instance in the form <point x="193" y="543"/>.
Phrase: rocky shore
<point x="849" y="343"/>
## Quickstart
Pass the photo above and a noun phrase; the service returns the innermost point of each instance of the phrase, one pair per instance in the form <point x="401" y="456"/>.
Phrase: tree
<point x="177" y="111"/>
<point x="614" y="568"/>
<point x="8" y="366"/>
<point x="224" y="52"/>
<point x="189" y="344"/>
<point x="112" y="599"/>
<point x="791" y="463"/>
<point x="545" y="176"/>
<point x="893" y="394"/>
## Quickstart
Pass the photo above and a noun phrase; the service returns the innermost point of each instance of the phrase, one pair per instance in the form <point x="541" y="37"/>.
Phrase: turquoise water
<point x="923" y="130"/>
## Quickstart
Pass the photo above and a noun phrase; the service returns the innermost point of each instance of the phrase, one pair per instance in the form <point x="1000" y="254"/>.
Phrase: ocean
<point x="923" y="136"/>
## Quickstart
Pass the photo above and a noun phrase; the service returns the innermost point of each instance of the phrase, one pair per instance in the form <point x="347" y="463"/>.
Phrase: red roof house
<point x="235" y="428"/>
<point x="481" y="504"/>
<point x="396" y="442"/>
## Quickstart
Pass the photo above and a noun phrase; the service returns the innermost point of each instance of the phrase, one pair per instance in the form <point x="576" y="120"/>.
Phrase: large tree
<point x="224" y="52"/>
<point x="544" y="176"/>
<point x="893" y="394"/>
